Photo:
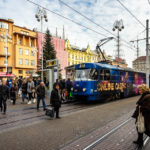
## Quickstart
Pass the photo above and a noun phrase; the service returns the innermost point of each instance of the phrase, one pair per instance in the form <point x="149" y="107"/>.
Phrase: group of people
<point x="34" y="90"/>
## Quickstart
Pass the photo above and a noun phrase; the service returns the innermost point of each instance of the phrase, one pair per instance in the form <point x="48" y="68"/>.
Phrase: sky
<point x="103" y="12"/>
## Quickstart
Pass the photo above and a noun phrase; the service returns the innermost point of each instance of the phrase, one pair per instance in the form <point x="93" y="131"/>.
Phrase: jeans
<point x="24" y="96"/>
<point x="43" y="101"/>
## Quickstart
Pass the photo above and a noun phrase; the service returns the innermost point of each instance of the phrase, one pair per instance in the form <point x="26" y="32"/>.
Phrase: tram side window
<point x="101" y="74"/>
<point x="107" y="75"/>
<point x="93" y="74"/>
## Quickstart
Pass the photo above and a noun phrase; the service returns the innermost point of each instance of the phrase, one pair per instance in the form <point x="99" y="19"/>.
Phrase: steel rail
<point x="89" y="147"/>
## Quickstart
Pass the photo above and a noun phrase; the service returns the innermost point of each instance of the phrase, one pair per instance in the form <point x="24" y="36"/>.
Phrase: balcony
<point x="2" y="54"/>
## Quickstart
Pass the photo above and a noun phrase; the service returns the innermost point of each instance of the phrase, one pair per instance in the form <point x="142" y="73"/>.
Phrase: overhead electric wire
<point x="91" y="20"/>
<point x="131" y="13"/>
<point x="72" y="20"/>
<point x="67" y="18"/>
<point x="86" y="17"/>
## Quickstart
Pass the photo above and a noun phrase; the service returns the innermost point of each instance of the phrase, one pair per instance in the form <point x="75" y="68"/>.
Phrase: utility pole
<point x="137" y="42"/>
<point x="147" y="52"/>
<point x="119" y="26"/>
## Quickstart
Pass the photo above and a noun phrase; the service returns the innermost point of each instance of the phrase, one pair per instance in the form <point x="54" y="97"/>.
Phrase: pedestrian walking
<point x="41" y="95"/>
<point x="68" y="86"/>
<point x="4" y="95"/>
<point x="142" y="109"/>
<point x="24" y="90"/>
<point x="30" y="87"/>
<point x="55" y="99"/>
<point x="13" y="92"/>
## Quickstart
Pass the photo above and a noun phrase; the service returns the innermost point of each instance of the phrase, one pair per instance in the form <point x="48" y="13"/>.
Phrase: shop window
<point x="20" y="71"/>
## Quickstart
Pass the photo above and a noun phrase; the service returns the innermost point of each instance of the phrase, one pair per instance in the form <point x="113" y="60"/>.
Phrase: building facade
<point x="77" y="55"/>
<point x="18" y="51"/>
<point x="139" y="64"/>
<point x="59" y="46"/>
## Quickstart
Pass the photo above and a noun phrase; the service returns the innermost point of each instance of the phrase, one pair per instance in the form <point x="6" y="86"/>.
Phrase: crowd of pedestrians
<point x="33" y="90"/>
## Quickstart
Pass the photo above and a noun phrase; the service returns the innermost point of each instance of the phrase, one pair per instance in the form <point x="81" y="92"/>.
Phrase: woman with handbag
<point x="140" y="114"/>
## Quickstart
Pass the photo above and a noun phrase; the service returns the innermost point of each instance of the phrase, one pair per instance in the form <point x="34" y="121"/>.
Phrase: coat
<point x="13" y="91"/>
<point x="24" y="88"/>
<point x="145" y="109"/>
<point x="55" y="100"/>
<point x="4" y="92"/>
<point x="40" y="91"/>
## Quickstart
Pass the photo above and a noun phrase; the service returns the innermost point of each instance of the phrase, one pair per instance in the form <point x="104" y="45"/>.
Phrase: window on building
<point x="26" y="62"/>
<point x="19" y="41"/>
<point x="20" y="61"/>
<point x="32" y="63"/>
<point x="32" y="52"/>
<point x="6" y="50"/>
<point x="20" y="71"/>
<point x="72" y="56"/>
<point x="26" y="52"/>
<point x="31" y="43"/>
<point x="20" y="51"/>
<point x="3" y="25"/>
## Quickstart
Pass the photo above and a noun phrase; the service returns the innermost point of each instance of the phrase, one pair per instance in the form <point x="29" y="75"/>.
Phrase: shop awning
<point x="4" y="74"/>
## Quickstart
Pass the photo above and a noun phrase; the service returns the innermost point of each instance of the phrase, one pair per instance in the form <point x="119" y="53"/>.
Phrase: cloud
<point x="103" y="12"/>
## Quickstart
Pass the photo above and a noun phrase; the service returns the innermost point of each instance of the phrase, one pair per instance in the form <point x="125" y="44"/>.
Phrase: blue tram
<point x="97" y="81"/>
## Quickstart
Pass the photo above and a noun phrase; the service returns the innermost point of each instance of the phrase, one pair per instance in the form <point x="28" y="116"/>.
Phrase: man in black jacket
<point x="4" y="92"/>
<point x="41" y="95"/>
<point x="55" y="99"/>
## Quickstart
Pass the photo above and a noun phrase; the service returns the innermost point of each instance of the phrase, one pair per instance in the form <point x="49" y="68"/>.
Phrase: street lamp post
<point x="41" y="14"/>
<point x="119" y="26"/>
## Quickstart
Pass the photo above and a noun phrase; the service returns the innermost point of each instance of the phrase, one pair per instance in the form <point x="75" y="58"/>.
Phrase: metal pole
<point x="137" y="48"/>
<point x="147" y="52"/>
<point x="42" y="45"/>
<point x="118" y="47"/>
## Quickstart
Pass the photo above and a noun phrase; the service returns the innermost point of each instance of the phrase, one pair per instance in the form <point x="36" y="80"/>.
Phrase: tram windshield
<point x="86" y="74"/>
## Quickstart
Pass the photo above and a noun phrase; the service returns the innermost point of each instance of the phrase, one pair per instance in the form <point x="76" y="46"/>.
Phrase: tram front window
<point x="86" y="74"/>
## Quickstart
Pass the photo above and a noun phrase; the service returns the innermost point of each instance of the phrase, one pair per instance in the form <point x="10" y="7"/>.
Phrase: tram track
<point x="31" y="115"/>
<point x="112" y="131"/>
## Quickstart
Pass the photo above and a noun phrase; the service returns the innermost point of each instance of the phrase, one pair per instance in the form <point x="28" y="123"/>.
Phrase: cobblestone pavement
<point x="53" y="134"/>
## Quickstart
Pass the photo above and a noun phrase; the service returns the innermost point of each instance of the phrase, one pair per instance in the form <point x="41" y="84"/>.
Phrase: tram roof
<point x="101" y="65"/>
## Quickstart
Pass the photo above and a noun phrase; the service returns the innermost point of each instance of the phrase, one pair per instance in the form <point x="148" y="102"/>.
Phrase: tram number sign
<point x="82" y="65"/>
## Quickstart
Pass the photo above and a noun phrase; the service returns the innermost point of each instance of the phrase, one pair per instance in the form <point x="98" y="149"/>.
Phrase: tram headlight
<point x="71" y="89"/>
<point x="84" y="89"/>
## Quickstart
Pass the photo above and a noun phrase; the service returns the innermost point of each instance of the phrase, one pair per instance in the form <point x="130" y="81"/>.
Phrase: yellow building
<point x="77" y="55"/>
<point x="18" y="51"/>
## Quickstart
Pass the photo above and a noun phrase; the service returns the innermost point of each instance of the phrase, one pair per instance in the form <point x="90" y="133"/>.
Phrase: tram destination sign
<point x="51" y="63"/>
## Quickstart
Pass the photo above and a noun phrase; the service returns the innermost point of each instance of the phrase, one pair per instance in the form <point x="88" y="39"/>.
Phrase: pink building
<point x="61" y="54"/>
